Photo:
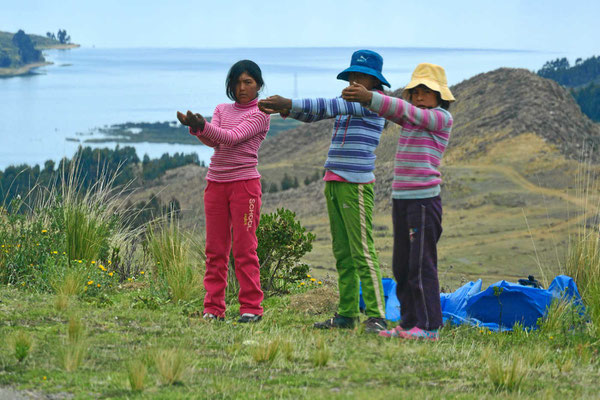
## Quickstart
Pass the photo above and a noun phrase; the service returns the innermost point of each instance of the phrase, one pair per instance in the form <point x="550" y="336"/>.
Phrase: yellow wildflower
<point x="44" y="231"/>
<point x="110" y="273"/>
<point x="98" y="285"/>
<point x="129" y="279"/>
<point x="55" y="252"/>
<point x="312" y="279"/>
<point x="142" y="272"/>
<point x="93" y="262"/>
<point x="79" y="261"/>
<point x="301" y="283"/>
<point x="110" y="262"/>
<point x="90" y="282"/>
<point x="308" y="275"/>
<point x="320" y="283"/>
<point x="44" y="378"/>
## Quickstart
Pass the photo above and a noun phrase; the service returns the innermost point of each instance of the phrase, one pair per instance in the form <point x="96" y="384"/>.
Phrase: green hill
<point x="20" y="59"/>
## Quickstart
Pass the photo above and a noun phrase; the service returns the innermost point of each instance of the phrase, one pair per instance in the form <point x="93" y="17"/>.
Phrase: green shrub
<point x="282" y="241"/>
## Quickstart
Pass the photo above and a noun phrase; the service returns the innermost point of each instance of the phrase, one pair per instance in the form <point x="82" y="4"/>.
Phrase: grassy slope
<point x="219" y="359"/>
<point x="504" y="218"/>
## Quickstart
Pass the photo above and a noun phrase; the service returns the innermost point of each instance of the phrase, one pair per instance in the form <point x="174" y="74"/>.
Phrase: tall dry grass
<point x="583" y="256"/>
<point x="92" y="217"/>
<point x="177" y="258"/>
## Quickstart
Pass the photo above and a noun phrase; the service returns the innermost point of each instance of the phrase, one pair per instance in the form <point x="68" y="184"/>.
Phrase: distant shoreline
<point x="27" y="68"/>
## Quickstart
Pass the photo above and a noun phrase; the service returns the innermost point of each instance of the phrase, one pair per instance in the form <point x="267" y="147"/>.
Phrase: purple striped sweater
<point x="423" y="140"/>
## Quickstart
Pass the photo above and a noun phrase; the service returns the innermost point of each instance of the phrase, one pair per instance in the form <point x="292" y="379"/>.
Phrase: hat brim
<point x="444" y="92"/>
<point x="364" y="70"/>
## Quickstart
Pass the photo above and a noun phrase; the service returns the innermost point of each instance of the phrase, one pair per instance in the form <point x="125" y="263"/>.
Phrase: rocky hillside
<point x="509" y="102"/>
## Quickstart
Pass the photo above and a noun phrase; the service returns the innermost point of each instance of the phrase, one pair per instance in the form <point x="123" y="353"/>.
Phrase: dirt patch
<point x="322" y="300"/>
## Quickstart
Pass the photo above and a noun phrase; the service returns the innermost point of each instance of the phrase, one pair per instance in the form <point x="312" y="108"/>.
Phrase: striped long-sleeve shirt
<point x="355" y="135"/>
<point x="423" y="140"/>
<point x="238" y="131"/>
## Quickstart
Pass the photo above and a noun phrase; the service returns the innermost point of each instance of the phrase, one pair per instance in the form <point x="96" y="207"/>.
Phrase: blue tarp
<point x="498" y="307"/>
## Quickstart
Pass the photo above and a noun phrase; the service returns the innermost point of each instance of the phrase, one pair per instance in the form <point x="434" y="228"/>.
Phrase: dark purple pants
<point x="417" y="229"/>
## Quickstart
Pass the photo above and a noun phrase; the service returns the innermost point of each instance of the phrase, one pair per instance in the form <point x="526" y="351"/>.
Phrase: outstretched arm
<point x="275" y="104"/>
<point x="193" y="121"/>
<point x="250" y="127"/>
<point x="398" y="110"/>
<point x="311" y="110"/>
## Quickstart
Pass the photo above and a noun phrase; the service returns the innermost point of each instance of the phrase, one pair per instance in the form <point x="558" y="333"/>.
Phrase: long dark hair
<point x="237" y="69"/>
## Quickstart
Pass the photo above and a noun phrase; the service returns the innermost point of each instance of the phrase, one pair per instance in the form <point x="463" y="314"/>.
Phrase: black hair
<point x="237" y="69"/>
<point x="445" y="104"/>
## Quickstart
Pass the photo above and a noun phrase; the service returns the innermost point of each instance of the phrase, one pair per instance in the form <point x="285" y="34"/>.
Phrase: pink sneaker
<point x="418" y="334"/>
<point x="394" y="332"/>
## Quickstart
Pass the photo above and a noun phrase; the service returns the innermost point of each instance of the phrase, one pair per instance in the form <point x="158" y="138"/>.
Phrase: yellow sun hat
<point x="431" y="75"/>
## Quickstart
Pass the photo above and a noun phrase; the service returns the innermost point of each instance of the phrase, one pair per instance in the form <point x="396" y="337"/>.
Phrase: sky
<point x="551" y="25"/>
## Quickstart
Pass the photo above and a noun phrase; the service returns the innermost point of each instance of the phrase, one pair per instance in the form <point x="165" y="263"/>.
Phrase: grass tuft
<point x="266" y="353"/>
<point x="175" y="258"/>
<point x="506" y="375"/>
<point x="136" y="372"/>
<point x="22" y="343"/>
<point x="170" y="364"/>
<point x="74" y="348"/>
<point x="321" y="354"/>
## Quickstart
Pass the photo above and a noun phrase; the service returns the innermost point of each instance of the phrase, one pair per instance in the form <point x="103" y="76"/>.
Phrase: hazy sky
<point x="564" y="26"/>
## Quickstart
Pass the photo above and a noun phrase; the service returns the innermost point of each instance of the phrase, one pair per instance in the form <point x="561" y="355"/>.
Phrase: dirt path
<point x="584" y="207"/>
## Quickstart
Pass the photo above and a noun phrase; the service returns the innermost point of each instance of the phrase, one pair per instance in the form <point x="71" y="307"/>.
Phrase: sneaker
<point x="394" y="332"/>
<point x="418" y="334"/>
<point x="247" y="317"/>
<point x="375" y="325"/>
<point x="212" y="317"/>
<point x="338" y="321"/>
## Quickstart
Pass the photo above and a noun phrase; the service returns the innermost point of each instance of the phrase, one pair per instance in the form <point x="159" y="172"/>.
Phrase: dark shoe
<point x="247" y="317"/>
<point x="338" y="321"/>
<point x="375" y="325"/>
<point x="212" y="317"/>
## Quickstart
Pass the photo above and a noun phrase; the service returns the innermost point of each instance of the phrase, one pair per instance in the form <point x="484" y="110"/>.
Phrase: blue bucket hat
<point x="367" y="62"/>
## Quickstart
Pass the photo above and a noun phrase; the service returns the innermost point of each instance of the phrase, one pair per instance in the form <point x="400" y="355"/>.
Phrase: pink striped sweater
<point x="236" y="131"/>
<point x="423" y="139"/>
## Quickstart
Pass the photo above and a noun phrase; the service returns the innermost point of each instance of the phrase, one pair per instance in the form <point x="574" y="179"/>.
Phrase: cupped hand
<point x="357" y="93"/>
<point x="275" y="104"/>
<point x="196" y="121"/>
<point x="182" y="119"/>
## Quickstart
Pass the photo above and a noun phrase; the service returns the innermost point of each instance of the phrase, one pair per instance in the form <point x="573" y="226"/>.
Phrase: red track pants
<point x="232" y="207"/>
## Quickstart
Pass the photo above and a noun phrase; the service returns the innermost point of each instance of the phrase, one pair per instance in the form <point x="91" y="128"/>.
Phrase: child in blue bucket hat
<point x="349" y="182"/>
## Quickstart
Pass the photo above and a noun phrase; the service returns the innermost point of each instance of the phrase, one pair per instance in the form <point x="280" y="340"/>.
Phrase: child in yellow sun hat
<point x="416" y="204"/>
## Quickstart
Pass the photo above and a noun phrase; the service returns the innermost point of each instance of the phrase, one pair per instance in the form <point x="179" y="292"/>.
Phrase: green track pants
<point x="350" y="208"/>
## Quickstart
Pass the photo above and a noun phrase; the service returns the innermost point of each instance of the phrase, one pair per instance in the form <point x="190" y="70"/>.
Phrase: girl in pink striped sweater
<point x="232" y="197"/>
<point x="416" y="204"/>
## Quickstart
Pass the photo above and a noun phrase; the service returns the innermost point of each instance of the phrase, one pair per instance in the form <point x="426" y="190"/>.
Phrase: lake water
<point x="87" y="88"/>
